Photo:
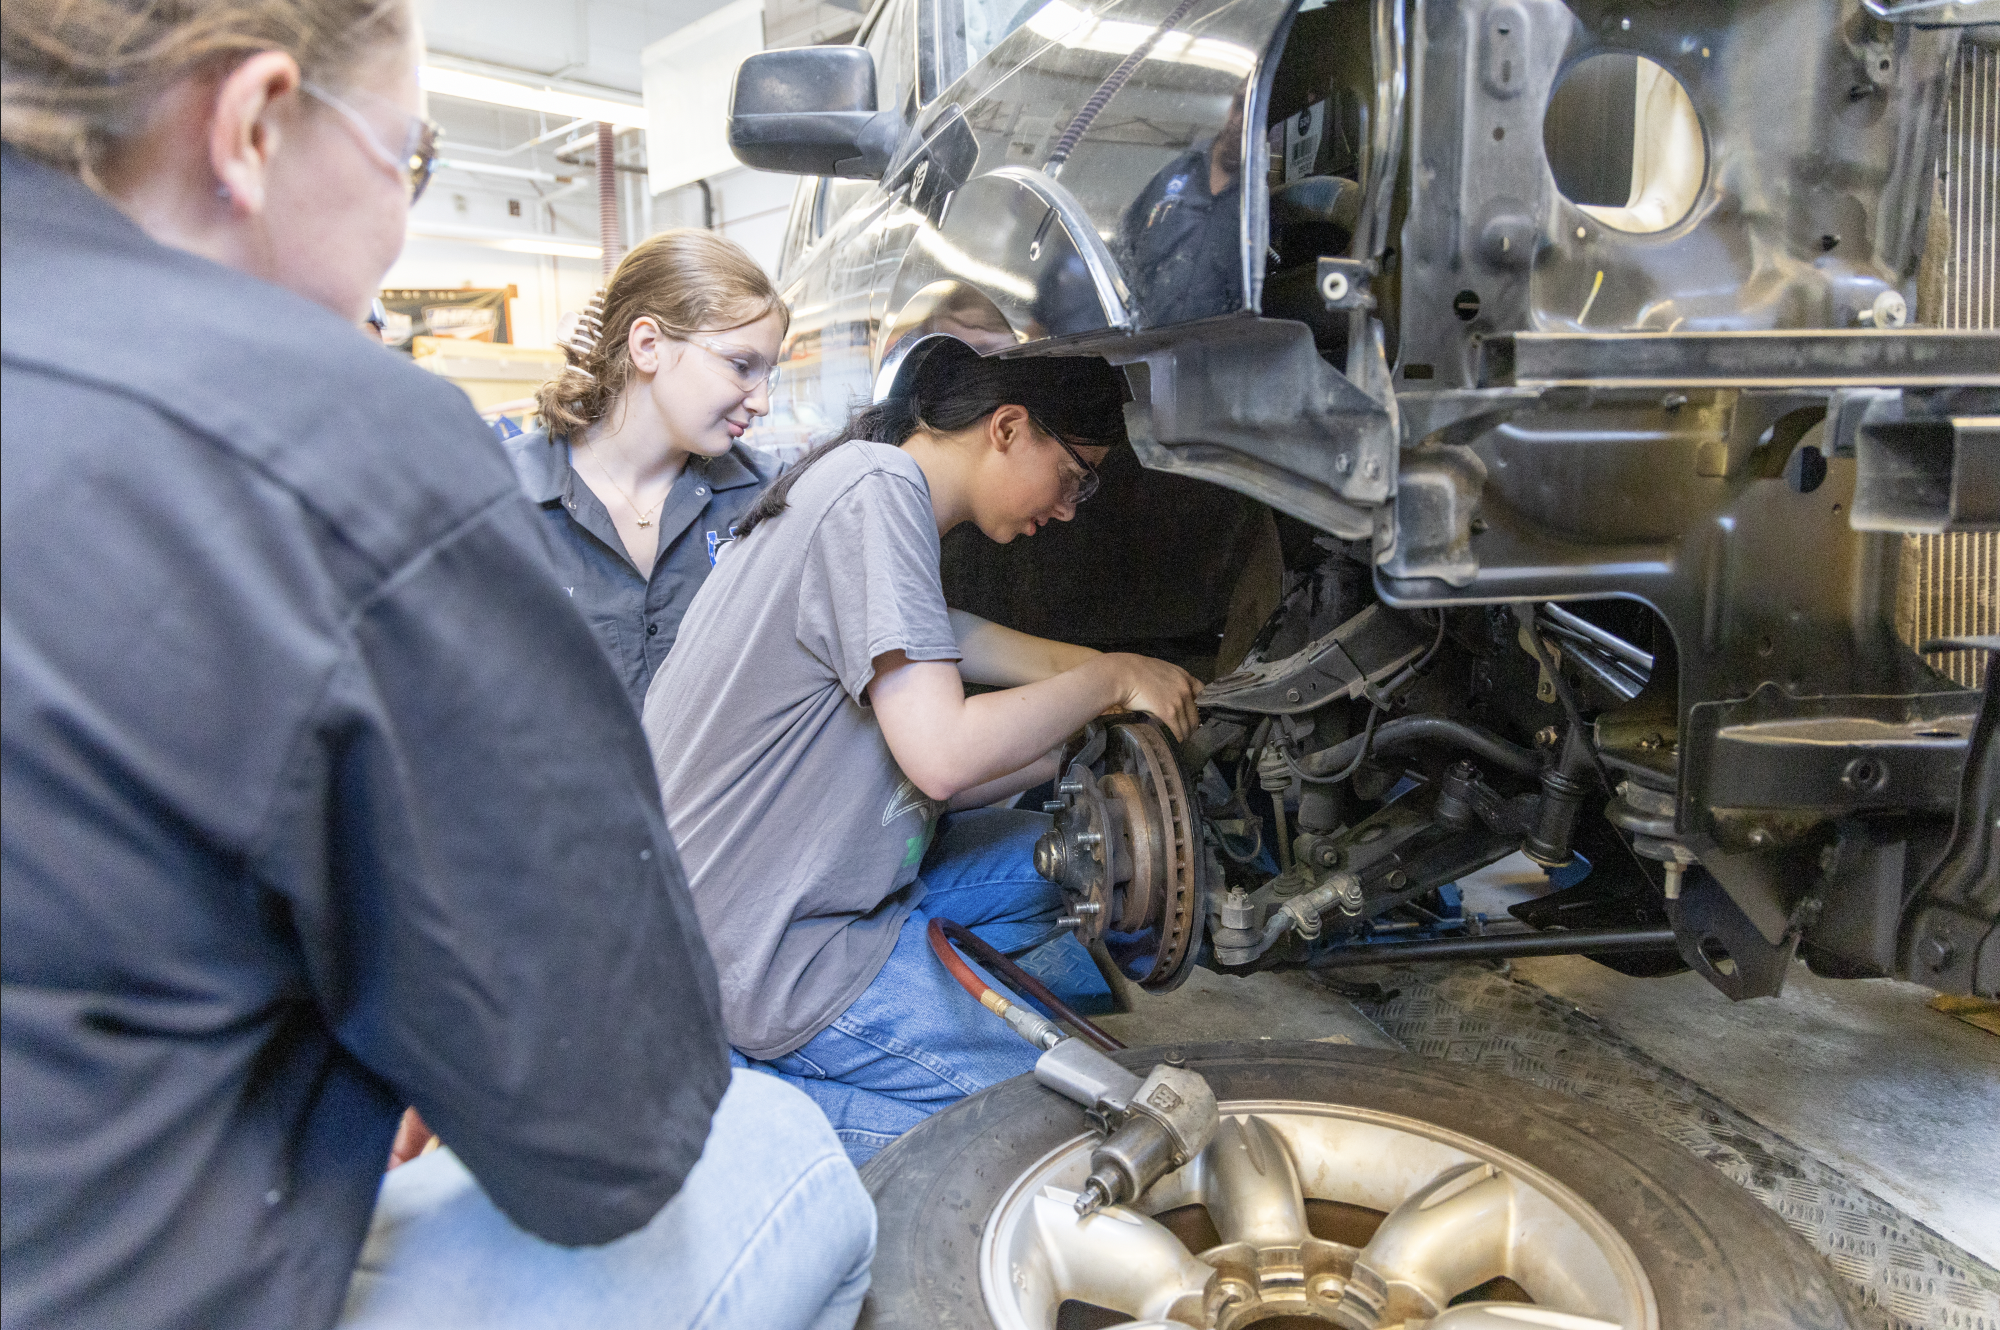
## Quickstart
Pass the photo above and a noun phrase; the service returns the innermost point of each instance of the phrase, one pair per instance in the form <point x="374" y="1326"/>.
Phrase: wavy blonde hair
<point x="686" y="281"/>
<point x="78" y="75"/>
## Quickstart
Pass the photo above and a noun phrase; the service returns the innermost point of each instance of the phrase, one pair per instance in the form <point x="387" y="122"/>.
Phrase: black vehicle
<point x="1618" y="380"/>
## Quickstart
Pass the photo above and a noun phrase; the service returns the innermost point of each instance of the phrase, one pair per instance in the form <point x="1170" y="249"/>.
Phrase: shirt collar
<point x="730" y="471"/>
<point x="541" y="464"/>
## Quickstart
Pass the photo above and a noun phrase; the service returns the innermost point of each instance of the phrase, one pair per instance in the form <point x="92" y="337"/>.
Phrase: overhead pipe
<point x="609" y="235"/>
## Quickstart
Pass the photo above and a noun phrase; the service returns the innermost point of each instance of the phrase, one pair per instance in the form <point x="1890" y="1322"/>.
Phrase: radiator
<point x="1949" y="586"/>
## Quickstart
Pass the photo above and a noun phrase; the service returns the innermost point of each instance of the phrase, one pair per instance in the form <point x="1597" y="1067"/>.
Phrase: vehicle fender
<point x="1006" y="258"/>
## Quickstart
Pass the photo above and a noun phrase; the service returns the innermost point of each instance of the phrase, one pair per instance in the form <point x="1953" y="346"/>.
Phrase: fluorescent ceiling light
<point x="511" y="241"/>
<point x="502" y="92"/>
<point x="495" y="168"/>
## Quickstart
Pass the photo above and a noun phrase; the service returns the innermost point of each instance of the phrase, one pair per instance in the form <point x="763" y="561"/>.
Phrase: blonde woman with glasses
<point x="639" y="468"/>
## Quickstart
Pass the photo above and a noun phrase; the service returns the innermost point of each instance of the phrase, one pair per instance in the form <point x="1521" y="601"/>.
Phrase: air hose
<point x="1022" y="1020"/>
<point x="1155" y="1123"/>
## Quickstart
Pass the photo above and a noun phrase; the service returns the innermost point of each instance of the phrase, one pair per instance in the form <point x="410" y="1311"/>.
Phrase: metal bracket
<point x="1364" y="650"/>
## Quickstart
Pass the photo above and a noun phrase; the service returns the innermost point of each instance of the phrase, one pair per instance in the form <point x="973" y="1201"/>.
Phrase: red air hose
<point x="942" y="929"/>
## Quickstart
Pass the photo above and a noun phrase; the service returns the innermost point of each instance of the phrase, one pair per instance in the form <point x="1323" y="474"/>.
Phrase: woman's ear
<point x="1007" y="428"/>
<point x="244" y="133"/>
<point x="647" y="346"/>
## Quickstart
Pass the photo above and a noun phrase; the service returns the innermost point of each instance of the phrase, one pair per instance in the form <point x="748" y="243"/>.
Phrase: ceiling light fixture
<point x="521" y="96"/>
<point x="512" y="242"/>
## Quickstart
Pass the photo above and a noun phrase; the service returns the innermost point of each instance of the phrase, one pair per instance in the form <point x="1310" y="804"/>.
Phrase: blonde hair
<point x="77" y="75"/>
<point x="686" y="281"/>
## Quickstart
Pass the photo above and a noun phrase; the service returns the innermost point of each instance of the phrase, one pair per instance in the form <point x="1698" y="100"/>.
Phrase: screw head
<point x="1291" y="694"/>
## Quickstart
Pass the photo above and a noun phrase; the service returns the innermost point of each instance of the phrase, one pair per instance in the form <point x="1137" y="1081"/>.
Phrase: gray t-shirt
<point x="800" y="835"/>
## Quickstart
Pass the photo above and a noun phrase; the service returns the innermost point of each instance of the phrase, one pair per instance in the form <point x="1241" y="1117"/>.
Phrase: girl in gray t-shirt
<point x="813" y="736"/>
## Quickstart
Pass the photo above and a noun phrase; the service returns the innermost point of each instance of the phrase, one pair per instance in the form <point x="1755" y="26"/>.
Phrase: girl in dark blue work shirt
<point x="638" y="465"/>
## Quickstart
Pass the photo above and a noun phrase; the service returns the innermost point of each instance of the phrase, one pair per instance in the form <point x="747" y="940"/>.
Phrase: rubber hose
<point x="1410" y="730"/>
<point x="941" y="929"/>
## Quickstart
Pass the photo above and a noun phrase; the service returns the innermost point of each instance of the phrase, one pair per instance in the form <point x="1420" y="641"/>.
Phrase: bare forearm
<point x="1035" y="773"/>
<point x="1005" y="658"/>
<point x="948" y="743"/>
<point x="999" y="733"/>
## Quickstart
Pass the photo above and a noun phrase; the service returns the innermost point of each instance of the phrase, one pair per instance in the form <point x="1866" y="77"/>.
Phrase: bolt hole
<point x="1805" y="470"/>
<point x="1864" y="775"/>
<point x="1499" y="132"/>
<point x="1765" y="646"/>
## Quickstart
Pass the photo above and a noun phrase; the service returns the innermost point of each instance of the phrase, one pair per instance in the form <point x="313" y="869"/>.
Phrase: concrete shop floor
<point x="1858" y="1081"/>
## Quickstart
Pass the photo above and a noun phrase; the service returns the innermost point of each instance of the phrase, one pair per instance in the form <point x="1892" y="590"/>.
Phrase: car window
<point x="893" y="43"/>
<point x="971" y="28"/>
<point x="799" y="225"/>
<point x="836" y="196"/>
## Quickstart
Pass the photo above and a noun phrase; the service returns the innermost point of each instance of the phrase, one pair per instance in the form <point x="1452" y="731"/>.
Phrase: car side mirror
<point x="811" y="111"/>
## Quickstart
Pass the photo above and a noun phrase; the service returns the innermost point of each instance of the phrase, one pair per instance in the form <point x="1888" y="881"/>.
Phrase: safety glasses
<point x="1080" y="487"/>
<point x="748" y="369"/>
<point x="417" y="160"/>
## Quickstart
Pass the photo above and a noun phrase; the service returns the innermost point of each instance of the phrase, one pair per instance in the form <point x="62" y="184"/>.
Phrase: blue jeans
<point x="771" y="1229"/>
<point x="915" y="1042"/>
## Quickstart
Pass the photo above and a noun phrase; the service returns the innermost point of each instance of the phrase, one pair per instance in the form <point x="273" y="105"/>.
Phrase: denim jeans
<point x="771" y="1229"/>
<point x="915" y="1042"/>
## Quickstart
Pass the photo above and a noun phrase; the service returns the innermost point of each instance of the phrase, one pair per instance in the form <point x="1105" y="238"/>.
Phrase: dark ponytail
<point x="1078" y="398"/>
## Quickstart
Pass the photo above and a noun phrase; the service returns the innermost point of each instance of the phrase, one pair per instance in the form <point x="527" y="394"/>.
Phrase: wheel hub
<point x="1457" y="1215"/>
<point x="1127" y="850"/>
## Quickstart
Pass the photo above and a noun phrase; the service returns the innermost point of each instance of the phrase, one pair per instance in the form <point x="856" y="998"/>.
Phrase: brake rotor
<point x="1126" y="850"/>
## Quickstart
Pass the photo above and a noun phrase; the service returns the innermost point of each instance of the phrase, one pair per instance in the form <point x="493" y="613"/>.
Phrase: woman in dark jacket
<point x="320" y="800"/>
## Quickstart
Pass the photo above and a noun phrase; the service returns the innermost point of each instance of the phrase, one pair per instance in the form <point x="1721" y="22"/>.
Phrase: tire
<point x="1716" y="1258"/>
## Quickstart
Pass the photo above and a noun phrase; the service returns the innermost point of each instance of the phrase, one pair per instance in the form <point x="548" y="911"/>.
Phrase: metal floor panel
<point x="1906" y="1276"/>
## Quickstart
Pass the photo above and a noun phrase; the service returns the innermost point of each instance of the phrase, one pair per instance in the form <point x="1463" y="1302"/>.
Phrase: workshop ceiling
<point x="580" y="41"/>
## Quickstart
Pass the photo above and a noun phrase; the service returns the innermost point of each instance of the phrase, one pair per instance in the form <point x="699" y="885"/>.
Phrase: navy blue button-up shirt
<point x="636" y="617"/>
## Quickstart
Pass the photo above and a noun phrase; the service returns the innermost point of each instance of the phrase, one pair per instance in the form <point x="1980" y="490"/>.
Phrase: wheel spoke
<point x="1251" y="1186"/>
<point x="1514" y="1316"/>
<point x="1120" y="1259"/>
<point x="1456" y="1232"/>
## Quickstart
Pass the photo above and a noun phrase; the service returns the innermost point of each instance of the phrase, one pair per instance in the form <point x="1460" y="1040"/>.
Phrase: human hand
<point x="1163" y="690"/>
<point x="412" y="1139"/>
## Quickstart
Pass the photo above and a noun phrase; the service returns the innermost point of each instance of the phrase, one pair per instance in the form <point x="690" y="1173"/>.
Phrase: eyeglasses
<point x="418" y="159"/>
<point x="1081" y="487"/>
<point x="748" y="369"/>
